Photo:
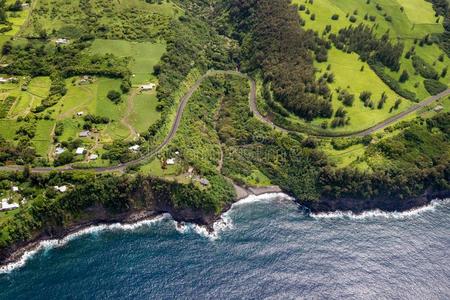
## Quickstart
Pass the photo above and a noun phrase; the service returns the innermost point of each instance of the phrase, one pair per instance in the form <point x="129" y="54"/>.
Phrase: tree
<point x="3" y="16"/>
<point x="404" y="77"/>
<point x="444" y="72"/>
<point x="114" y="96"/>
<point x="64" y="158"/>
<point x="365" y="95"/>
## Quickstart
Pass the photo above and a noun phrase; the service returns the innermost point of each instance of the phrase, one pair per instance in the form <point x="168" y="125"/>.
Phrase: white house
<point x="84" y="133"/>
<point x="80" y="151"/>
<point x="15" y="189"/>
<point x="439" y="108"/>
<point x="93" y="156"/>
<point x="148" y="87"/>
<point x="7" y="206"/>
<point x="59" y="150"/>
<point x="170" y="161"/>
<point x="61" y="189"/>
<point x="134" y="148"/>
<point x="62" y="41"/>
<point x="80" y="113"/>
<point x="6" y="80"/>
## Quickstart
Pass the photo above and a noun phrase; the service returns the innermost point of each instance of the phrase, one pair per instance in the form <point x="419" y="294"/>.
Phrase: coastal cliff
<point x="147" y="198"/>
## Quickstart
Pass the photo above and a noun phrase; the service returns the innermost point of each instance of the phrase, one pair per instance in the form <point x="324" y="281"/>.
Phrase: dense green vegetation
<point x="47" y="210"/>
<point x="273" y="41"/>
<point x="321" y="67"/>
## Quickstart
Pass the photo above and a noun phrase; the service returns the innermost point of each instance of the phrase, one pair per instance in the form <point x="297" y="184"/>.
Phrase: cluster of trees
<point x="442" y="8"/>
<point x="392" y="82"/>
<point x="50" y="213"/>
<point x="362" y="40"/>
<point x="20" y="153"/>
<point x="273" y="41"/>
<point x="57" y="91"/>
<point x="434" y="87"/>
<point x="39" y="58"/>
<point x="423" y="68"/>
<point x="118" y="152"/>
<point x="192" y="44"/>
<point x="101" y="19"/>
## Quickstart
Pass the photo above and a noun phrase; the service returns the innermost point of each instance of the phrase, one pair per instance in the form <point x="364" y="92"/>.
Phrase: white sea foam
<point x="379" y="214"/>
<point x="50" y="244"/>
<point x="225" y="222"/>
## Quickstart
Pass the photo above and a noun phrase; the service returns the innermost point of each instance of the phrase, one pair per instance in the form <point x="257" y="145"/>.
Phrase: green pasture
<point x="43" y="138"/>
<point x="143" y="56"/>
<point x="348" y="75"/>
<point x="144" y="112"/>
<point x="154" y="168"/>
<point x="415" y="21"/>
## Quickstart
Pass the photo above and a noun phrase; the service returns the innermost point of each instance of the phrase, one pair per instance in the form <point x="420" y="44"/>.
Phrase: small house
<point x="62" y="41"/>
<point x="80" y="113"/>
<point x="80" y="151"/>
<point x="93" y="156"/>
<point x="148" y="87"/>
<point x="59" y="150"/>
<point x="85" y="133"/>
<point x="61" y="189"/>
<point x="439" y="108"/>
<point x="5" y="205"/>
<point x="7" y="80"/>
<point x="15" y="189"/>
<point x="134" y="148"/>
<point x="170" y="161"/>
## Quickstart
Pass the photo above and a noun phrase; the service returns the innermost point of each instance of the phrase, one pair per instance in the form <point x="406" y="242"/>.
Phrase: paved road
<point x="362" y="133"/>
<point x="121" y="167"/>
<point x="253" y="107"/>
<point x="403" y="114"/>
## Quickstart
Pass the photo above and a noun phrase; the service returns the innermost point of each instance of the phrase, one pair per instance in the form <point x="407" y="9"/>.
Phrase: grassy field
<point x="154" y="168"/>
<point x="411" y="19"/>
<point x="136" y="111"/>
<point x="144" y="111"/>
<point x="17" y="20"/>
<point x="144" y="55"/>
<point x="43" y="141"/>
<point x="345" y="66"/>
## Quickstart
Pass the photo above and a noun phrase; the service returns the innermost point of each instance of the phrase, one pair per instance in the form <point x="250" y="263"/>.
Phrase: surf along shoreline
<point x="22" y="252"/>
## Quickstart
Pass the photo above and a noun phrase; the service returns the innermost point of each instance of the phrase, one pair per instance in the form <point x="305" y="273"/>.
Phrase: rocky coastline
<point x="99" y="216"/>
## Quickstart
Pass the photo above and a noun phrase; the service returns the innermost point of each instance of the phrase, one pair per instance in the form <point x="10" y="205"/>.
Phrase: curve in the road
<point x="253" y="107"/>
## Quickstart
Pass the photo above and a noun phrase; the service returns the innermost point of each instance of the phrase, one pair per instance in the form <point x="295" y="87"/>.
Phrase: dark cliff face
<point x="357" y="205"/>
<point x="159" y="201"/>
<point x="147" y="198"/>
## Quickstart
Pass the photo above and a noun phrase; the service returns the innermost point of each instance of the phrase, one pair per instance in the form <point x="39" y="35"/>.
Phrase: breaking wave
<point x="379" y="214"/>
<point x="225" y="222"/>
<point x="51" y="244"/>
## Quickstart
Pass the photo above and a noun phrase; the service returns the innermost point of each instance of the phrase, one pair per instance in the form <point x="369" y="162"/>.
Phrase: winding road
<point x="253" y="107"/>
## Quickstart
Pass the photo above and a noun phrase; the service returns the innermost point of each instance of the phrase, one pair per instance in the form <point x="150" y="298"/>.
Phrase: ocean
<point x="265" y="247"/>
